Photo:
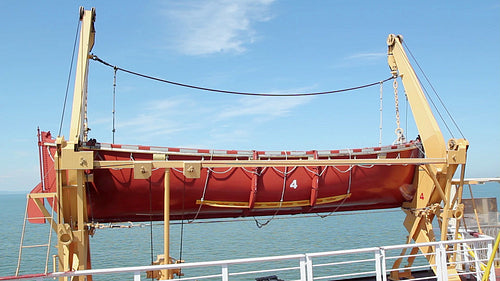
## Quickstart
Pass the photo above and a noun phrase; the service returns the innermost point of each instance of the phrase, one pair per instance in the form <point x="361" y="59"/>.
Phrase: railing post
<point x="225" y="272"/>
<point x="477" y="262"/>
<point x="441" y="268"/>
<point x="380" y="265"/>
<point x="439" y="274"/>
<point x="309" y="267"/>
<point x="137" y="276"/>
<point x="303" y="268"/>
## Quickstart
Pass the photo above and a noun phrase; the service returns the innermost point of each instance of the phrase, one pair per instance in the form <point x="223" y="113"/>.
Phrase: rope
<point x="50" y="155"/>
<point x="229" y="220"/>
<point x="258" y="223"/>
<point x="345" y="198"/>
<point x="313" y="172"/>
<point x="202" y="197"/>
<point x="254" y="172"/>
<point x="223" y="172"/>
<point x="348" y="188"/>
<point x="69" y="78"/>
<point x="437" y="95"/>
<point x="96" y="58"/>
<point x="177" y="170"/>
<point x="286" y="172"/>
<point x="348" y="170"/>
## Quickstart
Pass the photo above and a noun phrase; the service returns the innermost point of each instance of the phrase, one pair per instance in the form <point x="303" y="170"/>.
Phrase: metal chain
<point x="114" y="104"/>
<point x="399" y="131"/>
<point x="86" y="128"/>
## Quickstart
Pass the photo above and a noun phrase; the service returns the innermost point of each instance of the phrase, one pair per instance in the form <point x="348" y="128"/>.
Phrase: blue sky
<point x="253" y="46"/>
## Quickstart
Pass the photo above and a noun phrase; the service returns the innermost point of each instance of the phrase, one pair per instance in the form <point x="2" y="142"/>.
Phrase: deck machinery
<point x="435" y="196"/>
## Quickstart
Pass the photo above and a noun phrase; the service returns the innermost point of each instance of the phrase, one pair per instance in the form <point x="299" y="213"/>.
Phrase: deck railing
<point x="375" y="262"/>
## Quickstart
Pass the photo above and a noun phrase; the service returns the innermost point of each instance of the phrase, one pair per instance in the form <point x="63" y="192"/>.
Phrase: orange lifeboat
<point x="114" y="195"/>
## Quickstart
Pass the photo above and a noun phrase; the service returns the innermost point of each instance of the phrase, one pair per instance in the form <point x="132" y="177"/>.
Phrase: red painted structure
<point x="114" y="195"/>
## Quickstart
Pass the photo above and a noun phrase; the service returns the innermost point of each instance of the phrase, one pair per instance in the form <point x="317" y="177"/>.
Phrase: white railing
<point x="471" y="257"/>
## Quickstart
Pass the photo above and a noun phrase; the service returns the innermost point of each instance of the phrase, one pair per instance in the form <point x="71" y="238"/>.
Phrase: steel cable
<point x="69" y="79"/>
<point x="96" y="58"/>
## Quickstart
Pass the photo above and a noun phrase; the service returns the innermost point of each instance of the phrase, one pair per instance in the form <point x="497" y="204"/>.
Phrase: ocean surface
<point x="207" y="240"/>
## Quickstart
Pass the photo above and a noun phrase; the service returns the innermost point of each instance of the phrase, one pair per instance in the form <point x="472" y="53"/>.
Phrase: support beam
<point x="78" y="130"/>
<point x="428" y="128"/>
<point x="70" y="165"/>
<point x="166" y="274"/>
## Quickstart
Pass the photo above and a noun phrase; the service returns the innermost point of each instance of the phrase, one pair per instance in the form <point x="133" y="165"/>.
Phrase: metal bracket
<point x="142" y="170"/>
<point x="77" y="160"/>
<point x="192" y="169"/>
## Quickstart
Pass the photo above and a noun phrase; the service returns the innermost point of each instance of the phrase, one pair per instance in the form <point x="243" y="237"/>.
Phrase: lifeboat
<point x="114" y="195"/>
<point x="88" y="182"/>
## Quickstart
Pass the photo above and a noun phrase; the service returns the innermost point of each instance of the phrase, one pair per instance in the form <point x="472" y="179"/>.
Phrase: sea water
<point x="209" y="240"/>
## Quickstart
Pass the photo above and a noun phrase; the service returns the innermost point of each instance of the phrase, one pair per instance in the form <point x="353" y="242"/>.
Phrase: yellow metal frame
<point x="432" y="180"/>
<point x="70" y="164"/>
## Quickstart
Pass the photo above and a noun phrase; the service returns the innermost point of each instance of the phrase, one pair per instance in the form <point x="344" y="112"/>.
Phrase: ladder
<point x="39" y="214"/>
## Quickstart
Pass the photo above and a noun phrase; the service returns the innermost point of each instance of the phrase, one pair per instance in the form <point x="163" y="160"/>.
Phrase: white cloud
<point x="157" y="117"/>
<point x="360" y="59"/>
<point x="218" y="120"/>
<point x="367" y="56"/>
<point x="262" y="108"/>
<point x="205" y="27"/>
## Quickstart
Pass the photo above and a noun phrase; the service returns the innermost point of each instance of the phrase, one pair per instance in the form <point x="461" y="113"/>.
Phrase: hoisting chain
<point x="399" y="131"/>
<point x="114" y="104"/>
<point x="86" y="128"/>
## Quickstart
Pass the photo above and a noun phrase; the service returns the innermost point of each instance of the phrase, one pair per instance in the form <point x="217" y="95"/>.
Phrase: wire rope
<point x="202" y="197"/>
<point x="69" y="79"/>
<point x="260" y="224"/>
<point x="252" y="219"/>
<point x="434" y="90"/>
<point x="345" y="198"/>
<point x="285" y="174"/>
<point x="96" y="58"/>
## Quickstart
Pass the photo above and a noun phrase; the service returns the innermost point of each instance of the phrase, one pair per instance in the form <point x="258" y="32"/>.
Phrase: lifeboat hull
<point x="114" y="195"/>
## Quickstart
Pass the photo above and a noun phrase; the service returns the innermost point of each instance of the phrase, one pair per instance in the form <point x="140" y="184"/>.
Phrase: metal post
<point x="309" y="266"/>
<point x="225" y="272"/>
<point x="166" y="273"/>
<point x="380" y="265"/>
<point x="303" y="269"/>
<point x="137" y="276"/>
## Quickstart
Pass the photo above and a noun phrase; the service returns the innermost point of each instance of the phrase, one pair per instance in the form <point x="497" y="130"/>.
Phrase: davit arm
<point x="434" y="195"/>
